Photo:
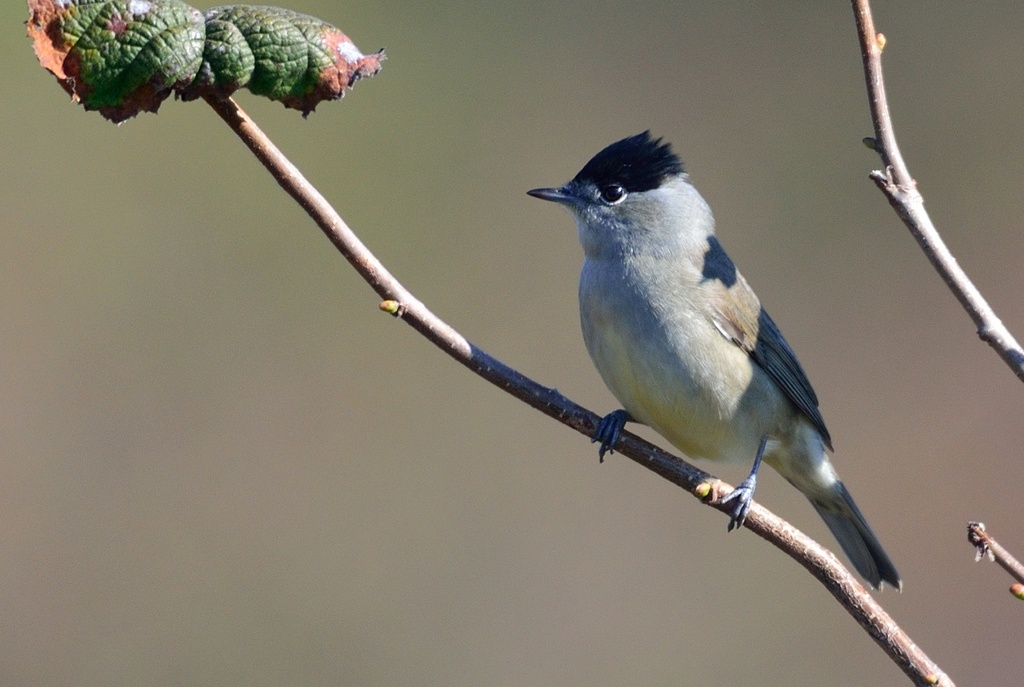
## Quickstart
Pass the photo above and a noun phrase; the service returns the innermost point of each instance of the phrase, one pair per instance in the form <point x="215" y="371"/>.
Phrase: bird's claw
<point x="741" y="498"/>
<point x="608" y="431"/>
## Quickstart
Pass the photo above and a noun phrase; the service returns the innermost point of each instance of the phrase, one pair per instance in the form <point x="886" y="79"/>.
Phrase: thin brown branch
<point x="401" y="303"/>
<point x="985" y="545"/>
<point x="901" y="190"/>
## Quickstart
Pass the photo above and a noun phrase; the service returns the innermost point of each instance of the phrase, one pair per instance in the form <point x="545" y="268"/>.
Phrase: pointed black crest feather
<point x="638" y="163"/>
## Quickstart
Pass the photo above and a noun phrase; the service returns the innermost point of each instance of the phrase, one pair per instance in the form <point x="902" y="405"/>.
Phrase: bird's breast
<point x="661" y="357"/>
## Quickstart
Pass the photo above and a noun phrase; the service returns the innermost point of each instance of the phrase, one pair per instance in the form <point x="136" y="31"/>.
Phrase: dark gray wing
<point x="742" y="320"/>
<point x="775" y="356"/>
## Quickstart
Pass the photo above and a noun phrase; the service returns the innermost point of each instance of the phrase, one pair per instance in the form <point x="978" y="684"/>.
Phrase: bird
<point x="682" y="342"/>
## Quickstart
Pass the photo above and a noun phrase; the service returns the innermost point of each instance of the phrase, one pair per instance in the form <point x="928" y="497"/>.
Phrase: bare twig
<point x="401" y="303"/>
<point x="901" y="190"/>
<point x="985" y="545"/>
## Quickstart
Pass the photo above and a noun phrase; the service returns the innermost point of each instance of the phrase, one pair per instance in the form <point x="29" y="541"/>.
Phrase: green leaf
<point x="123" y="57"/>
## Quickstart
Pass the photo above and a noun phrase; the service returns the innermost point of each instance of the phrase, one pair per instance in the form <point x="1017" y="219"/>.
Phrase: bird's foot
<point x="741" y="498"/>
<point x="608" y="431"/>
<point x="743" y="495"/>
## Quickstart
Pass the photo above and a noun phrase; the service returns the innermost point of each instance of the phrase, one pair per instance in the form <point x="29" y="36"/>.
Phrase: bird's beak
<point x="555" y="195"/>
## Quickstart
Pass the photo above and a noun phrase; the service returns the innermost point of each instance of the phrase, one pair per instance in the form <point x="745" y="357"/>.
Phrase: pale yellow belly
<point x="704" y="412"/>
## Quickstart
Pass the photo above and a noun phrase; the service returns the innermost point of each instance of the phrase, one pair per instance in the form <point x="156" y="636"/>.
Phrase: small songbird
<point x="683" y="343"/>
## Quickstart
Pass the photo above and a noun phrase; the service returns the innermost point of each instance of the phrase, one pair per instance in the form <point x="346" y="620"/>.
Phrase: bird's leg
<point x="608" y="431"/>
<point x="743" y="495"/>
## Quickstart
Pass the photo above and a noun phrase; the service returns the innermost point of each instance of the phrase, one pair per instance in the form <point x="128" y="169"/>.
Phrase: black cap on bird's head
<point x="638" y="163"/>
<point x="633" y="165"/>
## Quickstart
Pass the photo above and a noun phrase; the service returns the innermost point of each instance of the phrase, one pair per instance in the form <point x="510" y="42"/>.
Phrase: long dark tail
<point x="854" y="534"/>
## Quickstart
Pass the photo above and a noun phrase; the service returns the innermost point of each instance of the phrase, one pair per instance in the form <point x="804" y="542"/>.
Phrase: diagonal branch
<point x="401" y="303"/>
<point x="985" y="545"/>
<point x="901" y="190"/>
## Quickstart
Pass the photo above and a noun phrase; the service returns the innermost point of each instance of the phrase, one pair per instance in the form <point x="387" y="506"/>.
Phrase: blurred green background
<point x="220" y="464"/>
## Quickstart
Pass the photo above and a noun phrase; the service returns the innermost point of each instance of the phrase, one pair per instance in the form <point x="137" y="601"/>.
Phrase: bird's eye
<point x="613" y="194"/>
